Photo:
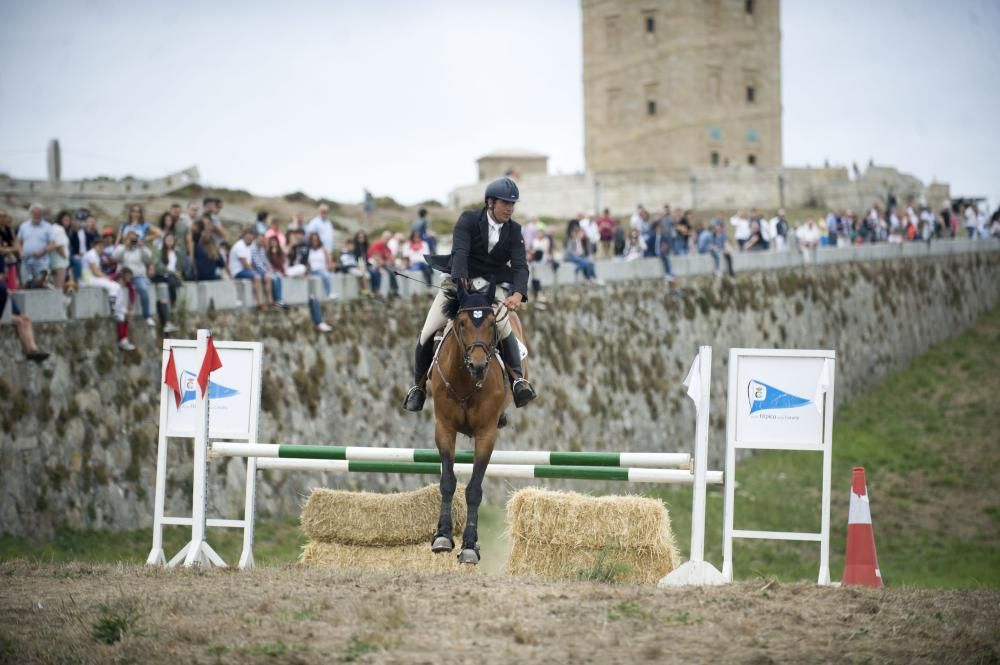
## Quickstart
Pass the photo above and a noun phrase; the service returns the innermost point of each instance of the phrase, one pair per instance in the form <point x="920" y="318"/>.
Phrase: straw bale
<point x="565" y="535"/>
<point x="392" y="558"/>
<point x="368" y="518"/>
<point x="577" y="520"/>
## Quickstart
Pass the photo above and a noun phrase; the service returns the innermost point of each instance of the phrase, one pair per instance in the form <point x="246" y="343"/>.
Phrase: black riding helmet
<point x="503" y="189"/>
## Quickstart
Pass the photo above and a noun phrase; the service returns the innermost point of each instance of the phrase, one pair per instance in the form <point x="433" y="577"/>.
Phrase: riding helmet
<point x="503" y="189"/>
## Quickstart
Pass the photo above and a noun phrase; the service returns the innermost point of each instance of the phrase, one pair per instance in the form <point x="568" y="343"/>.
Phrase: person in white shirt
<point x="741" y="228"/>
<point x="94" y="276"/>
<point x="808" y="238"/>
<point x="322" y="226"/>
<point x="970" y="221"/>
<point x="240" y="266"/>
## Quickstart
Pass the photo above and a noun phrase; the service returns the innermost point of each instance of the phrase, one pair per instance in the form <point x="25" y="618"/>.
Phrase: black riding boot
<point x="523" y="392"/>
<point x="423" y="357"/>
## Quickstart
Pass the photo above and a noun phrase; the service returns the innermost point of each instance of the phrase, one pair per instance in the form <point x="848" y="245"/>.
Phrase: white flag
<point x="823" y="386"/>
<point x="693" y="380"/>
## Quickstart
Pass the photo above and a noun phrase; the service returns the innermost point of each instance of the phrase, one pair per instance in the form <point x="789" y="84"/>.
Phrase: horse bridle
<point x="467" y="349"/>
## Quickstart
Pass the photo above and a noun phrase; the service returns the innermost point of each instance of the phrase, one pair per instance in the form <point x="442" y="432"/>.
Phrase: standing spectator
<point x="323" y="227"/>
<point x="135" y="222"/>
<point x="682" y="236"/>
<point x="190" y="215"/>
<point x="807" y="236"/>
<point x="741" y="228"/>
<point x="34" y="242"/>
<point x="271" y="280"/>
<point x="82" y="232"/>
<point x="590" y="232"/>
<point x="297" y="223"/>
<point x="381" y="258"/>
<point x="619" y="240"/>
<point x="635" y="247"/>
<point x="665" y="230"/>
<point x="23" y="326"/>
<point x="320" y="263"/>
<point x="167" y="270"/>
<point x="640" y="220"/>
<point x="416" y="253"/>
<point x="212" y="208"/>
<point x="421" y="225"/>
<point x="240" y="266"/>
<point x="139" y="260"/>
<point x="720" y="248"/>
<point x="778" y="230"/>
<point x="122" y="309"/>
<point x="208" y="261"/>
<point x="575" y="251"/>
<point x="361" y="248"/>
<point x="274" y="231"/>
<point x="368" y="205"/>
<point x="59" y="257"/>
<point x="262" y="222"/>
<point x="541" y="252"/>
<point x="606" y="225"/>
<point x="9" y="256"/>
<point x="298" y="254"/>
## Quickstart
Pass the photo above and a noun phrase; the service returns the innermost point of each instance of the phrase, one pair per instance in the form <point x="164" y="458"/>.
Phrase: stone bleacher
<point x="92" y="302"/>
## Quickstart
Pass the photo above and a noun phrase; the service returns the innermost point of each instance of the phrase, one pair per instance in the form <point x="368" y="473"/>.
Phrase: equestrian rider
<point x="485" y="242"/>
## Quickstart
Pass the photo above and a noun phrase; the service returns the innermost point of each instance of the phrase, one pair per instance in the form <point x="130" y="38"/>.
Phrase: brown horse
<point x="470" y="394"/>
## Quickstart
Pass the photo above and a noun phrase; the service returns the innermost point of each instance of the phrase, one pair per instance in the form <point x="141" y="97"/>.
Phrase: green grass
<point x="927" y="437"/>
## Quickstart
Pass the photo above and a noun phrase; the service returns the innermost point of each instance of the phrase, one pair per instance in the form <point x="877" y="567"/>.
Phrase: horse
<point x="468" y="383"/>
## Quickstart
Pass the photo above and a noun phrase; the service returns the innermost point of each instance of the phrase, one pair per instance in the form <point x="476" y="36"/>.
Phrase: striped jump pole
<point x="635" y="475"/>
<point x="431" y="456"/>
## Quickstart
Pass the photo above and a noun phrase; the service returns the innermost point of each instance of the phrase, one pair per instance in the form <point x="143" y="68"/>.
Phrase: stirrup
<point x="523" y="396"/>
<point x="415" y="399"/>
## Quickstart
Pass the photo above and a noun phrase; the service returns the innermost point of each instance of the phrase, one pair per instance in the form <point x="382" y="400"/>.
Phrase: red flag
<point x="210" y="363"/>
<point x="170" y="378"/>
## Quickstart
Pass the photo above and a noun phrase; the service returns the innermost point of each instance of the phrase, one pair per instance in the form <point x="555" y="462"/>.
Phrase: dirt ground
<point x="93" y="613"/>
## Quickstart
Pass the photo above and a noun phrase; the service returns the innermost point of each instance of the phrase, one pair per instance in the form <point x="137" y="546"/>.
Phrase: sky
<point x="330" y="98"/>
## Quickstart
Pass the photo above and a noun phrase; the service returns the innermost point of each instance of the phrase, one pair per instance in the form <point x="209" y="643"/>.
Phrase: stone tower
<point x="672" y="84"/>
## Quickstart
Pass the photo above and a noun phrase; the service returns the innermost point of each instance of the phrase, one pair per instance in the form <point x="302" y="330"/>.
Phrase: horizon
<point x="396" y="101"/>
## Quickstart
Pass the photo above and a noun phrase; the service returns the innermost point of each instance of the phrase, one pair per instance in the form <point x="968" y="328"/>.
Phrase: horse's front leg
<point x="474" y="496"/>
<point x="445" y="440"/>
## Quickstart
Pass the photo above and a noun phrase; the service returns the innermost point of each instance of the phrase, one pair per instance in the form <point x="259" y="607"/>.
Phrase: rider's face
<point x="502" y="211"/>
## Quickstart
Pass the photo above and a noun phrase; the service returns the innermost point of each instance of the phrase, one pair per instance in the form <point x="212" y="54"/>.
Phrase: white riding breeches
<point x="436" y="320"/>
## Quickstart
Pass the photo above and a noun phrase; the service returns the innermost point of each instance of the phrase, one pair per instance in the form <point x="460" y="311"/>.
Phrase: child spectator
<point x="241" y="267"/>
<point x="349" y="265"/>
<point x="320" y="263"/>
<point x="416" y="251"/>
<point x="122" y="308"/>
<point x="139" y="260"/>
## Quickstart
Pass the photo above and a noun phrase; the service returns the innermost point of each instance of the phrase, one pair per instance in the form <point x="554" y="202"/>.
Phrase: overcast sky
<point x="402" y="97"/>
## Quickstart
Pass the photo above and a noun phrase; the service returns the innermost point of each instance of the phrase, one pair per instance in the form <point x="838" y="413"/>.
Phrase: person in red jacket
<point x="381" y="259"/>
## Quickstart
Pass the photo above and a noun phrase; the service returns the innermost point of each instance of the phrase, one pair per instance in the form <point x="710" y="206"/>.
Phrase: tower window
<point x="714" y="158"/>
<point x="752" y="160"/>
<point x="651" y="107"/>
<point x="611" y="38"/>
<point x="650" y="24"/>
<point x="751" y="94"/>
<point x="748" y="6"/>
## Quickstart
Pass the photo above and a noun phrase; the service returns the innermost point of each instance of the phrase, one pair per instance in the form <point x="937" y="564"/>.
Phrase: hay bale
<point x="372" y="519"/>
<point x="566" y="535"/>
<point x="391" y="558"/>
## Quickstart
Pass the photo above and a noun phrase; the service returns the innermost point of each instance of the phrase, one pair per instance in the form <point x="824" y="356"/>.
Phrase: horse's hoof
<point x="442" y="544"/>
<point x="468" y="556"/>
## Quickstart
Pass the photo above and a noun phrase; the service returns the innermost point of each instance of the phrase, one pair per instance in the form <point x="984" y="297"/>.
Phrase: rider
<point x="485" y="242"/>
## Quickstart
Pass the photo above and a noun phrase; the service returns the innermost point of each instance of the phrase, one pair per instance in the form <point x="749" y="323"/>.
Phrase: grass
<point x="925" y="435"/>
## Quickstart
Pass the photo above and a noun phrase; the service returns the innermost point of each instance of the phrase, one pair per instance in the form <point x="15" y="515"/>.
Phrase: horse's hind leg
<point x="474" y="497"/>
<point x="445" y="440"/>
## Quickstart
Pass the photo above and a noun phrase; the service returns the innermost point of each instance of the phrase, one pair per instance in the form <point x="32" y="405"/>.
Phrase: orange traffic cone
<point x="861" y="563"/>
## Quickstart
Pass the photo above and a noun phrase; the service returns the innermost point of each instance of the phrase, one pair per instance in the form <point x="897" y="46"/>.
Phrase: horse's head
<point x="475" y="327"/>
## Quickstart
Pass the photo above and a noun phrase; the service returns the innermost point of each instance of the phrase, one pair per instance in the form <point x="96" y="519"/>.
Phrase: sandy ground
<point x="60" y="613"/>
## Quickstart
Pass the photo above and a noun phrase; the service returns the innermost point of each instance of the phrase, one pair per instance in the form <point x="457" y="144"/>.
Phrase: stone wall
<point x="78" y="434"/>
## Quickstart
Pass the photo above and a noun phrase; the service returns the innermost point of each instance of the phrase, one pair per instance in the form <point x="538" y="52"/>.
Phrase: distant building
<point x="511" y="161"/>
<point x="669" y="85"/>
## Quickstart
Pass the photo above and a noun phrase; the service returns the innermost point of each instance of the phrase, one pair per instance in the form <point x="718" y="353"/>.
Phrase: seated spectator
<point x="381" y="258"/>
<point x="703" y="241"/>
<point x="361" y="248"/>
<point x="122" y="308"/>
<point x="35" y="241"/>
<point x="320" y="263"/>
<point x="298" y="254"/>
<point x="208" y="260"/>
<point x="541" y="252"/>
<point x="241" y="267"/>
<point x="59" y="256"/>
<point x="9" y="256"/>
<point x="756" y="242"/>
<point x="416" y="251"/>
<point x="275" y="255"/>
<point x="23" y="326"/>
<point x="316" y="313"/>
<point x="349" y="265"/>
<point x="271" y="280"/>
<point x="139" y="260"/>
<point x="808" y="236"/>
<point x="92" y="272"/>
<point x="575" y="251"/>
<point x="166" y="270"/>
<point x="635" y="247"/>
<point x="108" y="264"/>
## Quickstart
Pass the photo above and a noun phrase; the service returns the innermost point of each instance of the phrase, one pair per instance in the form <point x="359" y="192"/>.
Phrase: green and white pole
<point x="431" y="456"/>
<point x="635" y="475"/>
